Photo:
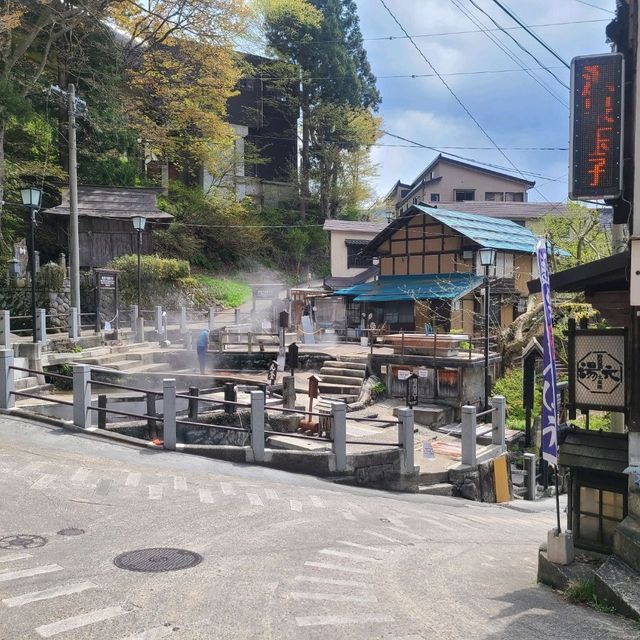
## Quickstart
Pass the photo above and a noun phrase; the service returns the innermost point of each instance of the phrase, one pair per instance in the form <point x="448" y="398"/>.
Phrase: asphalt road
<point x="284" y="556"/>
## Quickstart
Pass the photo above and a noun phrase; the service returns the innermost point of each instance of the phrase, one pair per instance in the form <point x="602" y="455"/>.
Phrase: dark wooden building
<point x="104" y="220"/>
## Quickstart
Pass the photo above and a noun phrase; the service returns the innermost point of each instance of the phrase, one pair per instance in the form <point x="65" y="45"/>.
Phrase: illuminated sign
<point x="595" y="155"/>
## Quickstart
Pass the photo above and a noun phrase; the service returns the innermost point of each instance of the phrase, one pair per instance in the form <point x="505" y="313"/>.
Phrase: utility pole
<point x="74" y="239"/>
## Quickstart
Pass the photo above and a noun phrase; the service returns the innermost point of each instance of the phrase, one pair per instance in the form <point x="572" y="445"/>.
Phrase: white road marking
<point x="337" y="567"/>
<point x="317" y="621"/>
<point x="317" y="502"/>
<point x="355" y="545"/>
<point x="179" y="483"/>
<point x="152" y="634"/>
<point x="349" y="516"/>
<point x="48" y="594"/>
<point x="43" y="481"/>
<point x="333" y="581"/>
<point x="227" y="489"/>
<point x="348" y="556"/>
<point x="155" y="491"/>
<point x="133" y="480"/>
<point x="27" y="573"/>
<point x="381" y="536"/>
<point x="255" y="499"/>
<point x="14" y="556"/>
<point x="295" y="505"/>
<point x="205" y="496"/>
<point x="271" y="494"/>
<point x="80" y="475"/>
<point x="67" y="624"/>
<point x="331" y="597"/>
<point x="406" y="532"/>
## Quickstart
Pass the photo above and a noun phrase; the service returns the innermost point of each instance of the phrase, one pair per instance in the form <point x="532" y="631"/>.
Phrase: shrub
<point x="510" y="386"/>
<point x="51" y="277"/>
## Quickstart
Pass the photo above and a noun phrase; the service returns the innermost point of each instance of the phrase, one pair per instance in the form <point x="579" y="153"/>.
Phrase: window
<point x="462" y="196"/>
<point x="514" y="196"/>
<point x="435" y="197"/>
<point x="494" y="196"/>
<point x="355" y="254"/>
<point x="600" y="512"/>
<point x="398" y="313"/>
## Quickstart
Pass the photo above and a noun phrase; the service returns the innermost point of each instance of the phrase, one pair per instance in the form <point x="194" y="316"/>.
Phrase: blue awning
<point x="440" y="286"/>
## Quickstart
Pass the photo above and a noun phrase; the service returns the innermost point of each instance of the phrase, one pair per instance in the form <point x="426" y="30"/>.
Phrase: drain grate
<point x="70" y="531"/>
<point x="157" y="560"/>
<point x="22" y="541"/>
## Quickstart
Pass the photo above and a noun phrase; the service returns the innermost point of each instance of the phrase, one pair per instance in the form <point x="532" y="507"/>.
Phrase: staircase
<point x="342" y="379"/>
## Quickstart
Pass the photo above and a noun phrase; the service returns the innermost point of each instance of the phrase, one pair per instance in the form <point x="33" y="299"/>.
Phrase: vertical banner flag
<point x="549" y="396"/>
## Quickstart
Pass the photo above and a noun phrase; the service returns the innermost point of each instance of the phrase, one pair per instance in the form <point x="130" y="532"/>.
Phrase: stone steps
<point x="618" y="584"/>
<point x="338" y="389"/>
<point x="341" y="371"/>
<point x="346" y="380"/>
<point x="431" y="415"/>
<point x="439" y="489"/>
<point x="345" y="364"/>
<point x="29" y="382"/>
<point x="342" y="379"/>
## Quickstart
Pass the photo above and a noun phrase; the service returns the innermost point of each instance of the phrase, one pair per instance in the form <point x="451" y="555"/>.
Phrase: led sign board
<point x="595" y="154"/>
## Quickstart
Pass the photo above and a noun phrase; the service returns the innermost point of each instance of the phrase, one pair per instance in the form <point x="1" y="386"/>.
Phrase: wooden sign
<point x="313" y="387"/>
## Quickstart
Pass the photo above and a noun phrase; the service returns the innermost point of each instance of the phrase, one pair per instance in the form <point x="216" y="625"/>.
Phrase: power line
<point x="510" y="54"/>
<point x="588" y="4"/>
<point x="520" y="45"/>
<point x="534" y="35"/>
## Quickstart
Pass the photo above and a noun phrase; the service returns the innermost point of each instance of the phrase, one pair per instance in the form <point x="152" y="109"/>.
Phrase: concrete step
<point x="617" y="583"/>
<point x="338" y="389"/>
<point x="349" y="380"/>
<point x="433" y="477"/>
<point x="353" y="359"/>
<point x="440" y="489"/>
<point x="296" y="444"/>
<point x="431" y="415"/>
<point x="345" y="364"/>
<point x="25" y="383"/>
<point x="339" y="398"/>
<point x="335" y="371"/>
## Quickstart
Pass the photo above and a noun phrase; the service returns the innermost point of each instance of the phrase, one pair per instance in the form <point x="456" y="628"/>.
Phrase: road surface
<point x="283" y="556"/>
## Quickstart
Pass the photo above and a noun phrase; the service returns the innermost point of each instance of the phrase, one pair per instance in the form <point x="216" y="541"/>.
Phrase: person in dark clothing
<point x="202" y="345"/>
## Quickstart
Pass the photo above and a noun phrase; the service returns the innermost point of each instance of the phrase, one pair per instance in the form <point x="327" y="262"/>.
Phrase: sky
<point x="511" y="106"/>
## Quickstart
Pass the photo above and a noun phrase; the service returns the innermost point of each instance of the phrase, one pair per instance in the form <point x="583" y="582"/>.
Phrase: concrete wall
<point x="339" y="267"/>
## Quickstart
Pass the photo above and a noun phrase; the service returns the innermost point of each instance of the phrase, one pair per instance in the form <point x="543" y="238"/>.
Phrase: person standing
<point x="202" y="345"/>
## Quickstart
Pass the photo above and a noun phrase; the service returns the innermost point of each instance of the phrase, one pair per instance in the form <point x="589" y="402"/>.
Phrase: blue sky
<point x="511" y="106"/>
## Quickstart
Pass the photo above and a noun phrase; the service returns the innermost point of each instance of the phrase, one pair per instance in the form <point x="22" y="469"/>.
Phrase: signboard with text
<point x="595" y="152"/>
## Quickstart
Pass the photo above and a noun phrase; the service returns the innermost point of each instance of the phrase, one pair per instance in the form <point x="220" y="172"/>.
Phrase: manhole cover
<point x="156" y="560"/>
<point x="22" y="541"/>
<point x="70" y="531"/>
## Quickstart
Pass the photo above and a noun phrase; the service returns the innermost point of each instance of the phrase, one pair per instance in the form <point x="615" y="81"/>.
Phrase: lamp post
<point x="31" y="197"/>
<point x="138" y="225"/>
<point x="487" y="259"/>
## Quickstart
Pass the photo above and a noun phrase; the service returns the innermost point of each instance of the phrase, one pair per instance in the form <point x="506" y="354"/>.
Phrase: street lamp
<point x="376" y="263"/>
<point x="31" y="197"/>
<point x="138" y="225"/>
<point x="487" y="259"/>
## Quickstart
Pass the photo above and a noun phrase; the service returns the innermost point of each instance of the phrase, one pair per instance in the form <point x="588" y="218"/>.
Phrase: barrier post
<point x="212" y="318"/>
<point x="257" y="425"/>
<point x="7" y="385"/>
<point x="169" y="413"/>
<point x="469" y="435"/>
<point x="81" y="395"/>
<point x="339" y="432"/>
<point x="158" y="317"/>
<point x="530" y="473"/>
<point x="499" y="420"/>
<point x="406" y="439"/>
<point x="5" y="328"/>
<point x="74" y="332"/>
<point x="41" y="325"/>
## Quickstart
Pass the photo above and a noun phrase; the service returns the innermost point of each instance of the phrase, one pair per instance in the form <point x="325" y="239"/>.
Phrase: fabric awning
<point x="440" y="286"/>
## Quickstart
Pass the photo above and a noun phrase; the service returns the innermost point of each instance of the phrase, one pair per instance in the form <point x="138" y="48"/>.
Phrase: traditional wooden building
<point x="430" y="272"/>
<point x="104" y="221"/>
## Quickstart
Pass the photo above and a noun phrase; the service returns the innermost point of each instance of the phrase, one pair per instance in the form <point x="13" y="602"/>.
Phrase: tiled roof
<point x="509" y="210"/>
<point x="336" y="282"/>
<point x="114" y="202"/>
<point x="353" y="225"/>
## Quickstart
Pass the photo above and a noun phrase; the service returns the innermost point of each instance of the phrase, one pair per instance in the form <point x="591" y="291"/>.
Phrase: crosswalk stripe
<point x="152" y="634"/>
<point x="337" y="567"/>
<point x="179" y="483"/>
<point x="27" y="573"/>
<point x="406" y="532"/>
<point x="349" y="556"/>
<point x="332" y="581"/>
<point x="271" y="494"/>
<point x="103" y="487"/>
<point x="133" y="480"/>
<point x="295" y="505"/>
<point x="48" y="594"/>
<point x="75" y="622"/>
<point x="227" y="488"/>
<point x="43" y="481"/>
<point x="255" y="499"/>
<point x="317" y="502"/>
<point x="356" y="545"/>
<point x="331" y="597"/>
<point x="80" y="475"/>
<point x="317" y="621"/>
<point x="205" y="496"/>
<point x="14" y="556"/>
<point x="381" y="536"/>
<point x="155" y="491"/>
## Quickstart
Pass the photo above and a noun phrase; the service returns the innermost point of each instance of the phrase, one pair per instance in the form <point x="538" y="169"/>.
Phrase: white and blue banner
<point x="549" y="395"/>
